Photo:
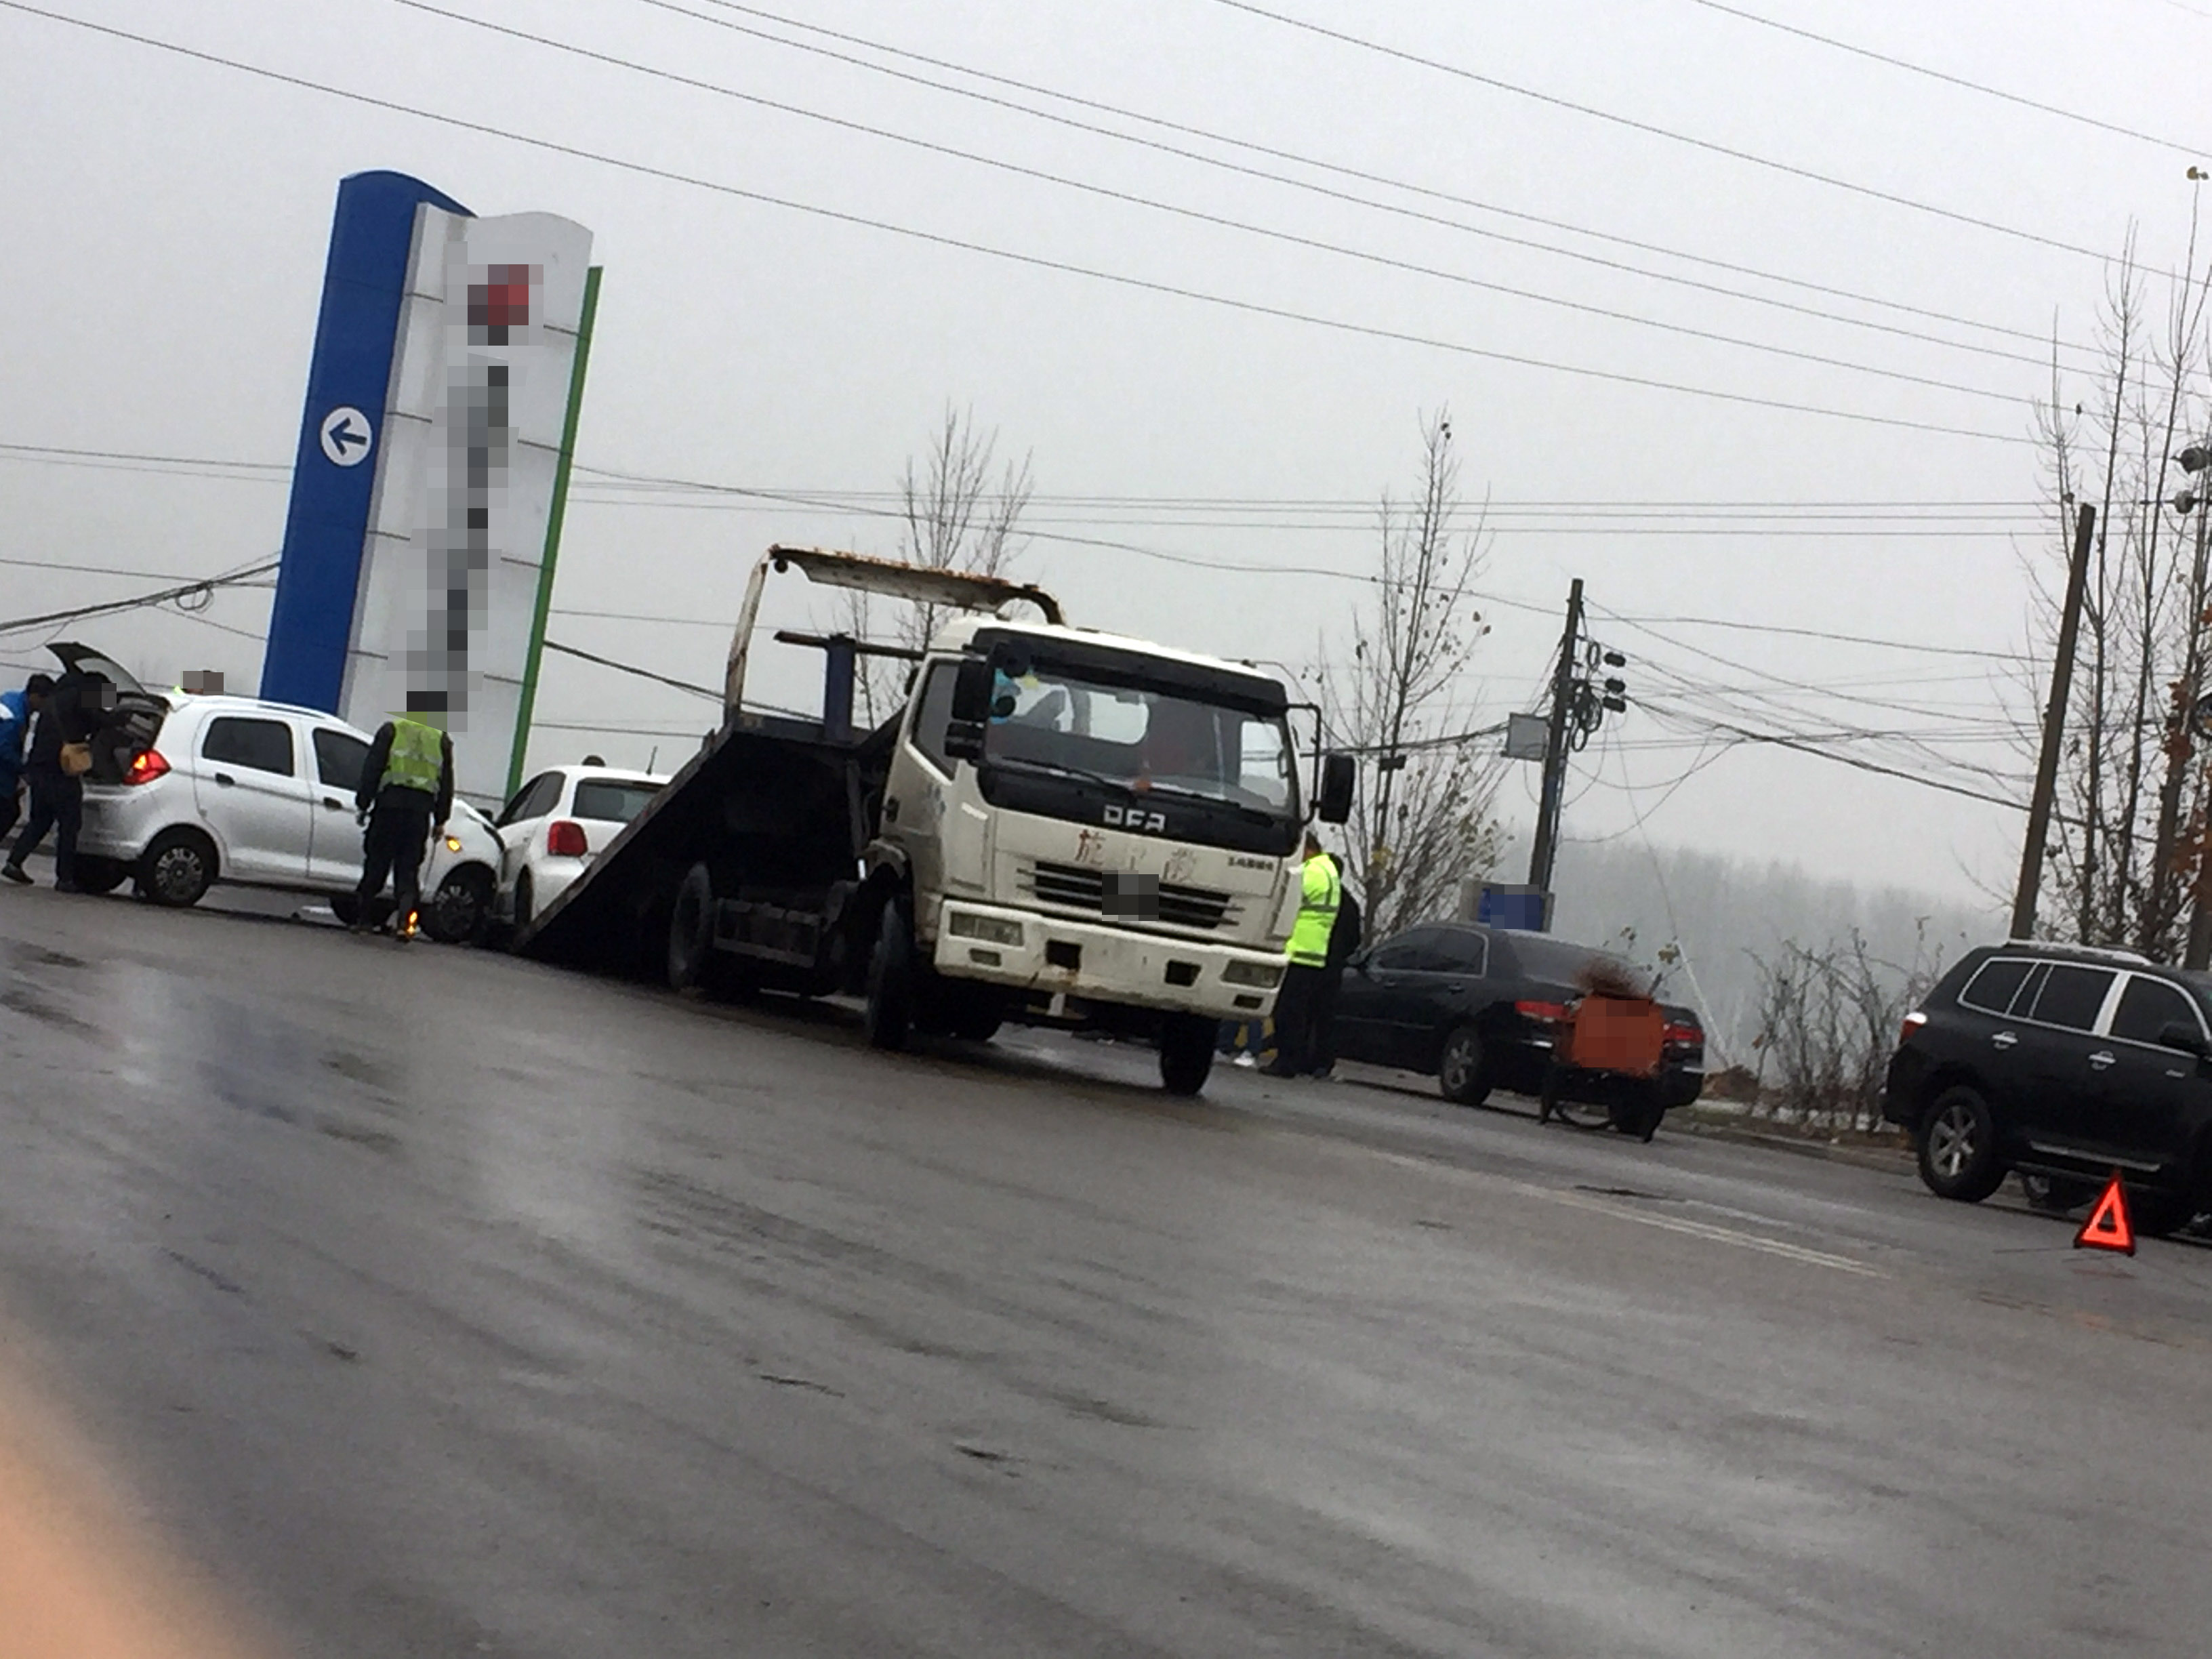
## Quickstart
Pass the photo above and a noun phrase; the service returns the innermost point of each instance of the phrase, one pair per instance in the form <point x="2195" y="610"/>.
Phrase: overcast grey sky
<point x="165" y="221"/>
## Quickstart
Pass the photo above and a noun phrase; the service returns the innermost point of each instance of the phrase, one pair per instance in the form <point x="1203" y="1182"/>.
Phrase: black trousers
<point x="1295" y="1004"/>
<point x="398" y="833"/>
<point x="1323" y="1019"/>
<point x="10" y="809"/>
<point x="57" y="803"/>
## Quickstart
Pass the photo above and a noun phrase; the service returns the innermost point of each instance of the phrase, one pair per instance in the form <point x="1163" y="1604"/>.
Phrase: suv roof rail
<point x="2104" y="952"/>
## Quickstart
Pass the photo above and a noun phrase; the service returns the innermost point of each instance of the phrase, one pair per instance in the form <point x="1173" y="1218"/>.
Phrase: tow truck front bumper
<point x="1094" y="962"/>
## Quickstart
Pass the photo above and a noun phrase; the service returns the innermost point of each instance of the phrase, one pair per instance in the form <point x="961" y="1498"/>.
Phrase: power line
<point x="24" y="624"/>
<point x="1711" y="147"/>
<point x="1936" y="509"/>
<point x="1640" y="624"/>
<point x="1031" y="524"/>
<point x="97" y="570"/>
<point x="630" y="668"/>
<point x="1425" y="192"/>
<point x="130" y="455"/>
<point x="1250" y="307"/>
<point x="1782" y="741"/>
<point x="1947" y="78"/>
<point x="1509" y="601"/>
<point x="1200" y="217"/>
<point x="1675" y="507"/>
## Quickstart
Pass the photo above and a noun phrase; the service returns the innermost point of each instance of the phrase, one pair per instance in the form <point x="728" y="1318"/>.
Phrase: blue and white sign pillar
<point x="364" y="286"/>
<point x="433" y="448"/>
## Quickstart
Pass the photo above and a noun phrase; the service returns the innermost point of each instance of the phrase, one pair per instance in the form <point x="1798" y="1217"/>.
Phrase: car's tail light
<point x="1547" y="1011"/>
<point x="145" y="766"/>
<point x="1687" y="1036"/>
<point x="1914" y="1022"/>
<point x="565" y="840"/>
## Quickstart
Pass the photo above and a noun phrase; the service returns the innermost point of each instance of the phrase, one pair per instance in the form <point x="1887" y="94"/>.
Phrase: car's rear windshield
<point x="1562" y="963"/>
<point x="612" y="800"/>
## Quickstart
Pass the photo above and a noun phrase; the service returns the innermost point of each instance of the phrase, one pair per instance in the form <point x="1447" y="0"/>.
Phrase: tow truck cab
<point x="1099" y="825"/>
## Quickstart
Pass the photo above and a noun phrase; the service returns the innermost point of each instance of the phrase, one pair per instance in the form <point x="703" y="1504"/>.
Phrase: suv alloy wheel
<point x="1959" y="1146"/>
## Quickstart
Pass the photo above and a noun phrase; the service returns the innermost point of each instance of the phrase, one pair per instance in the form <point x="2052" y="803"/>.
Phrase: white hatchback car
<point x="556" y="825"/>
<point x="186" y="791"/>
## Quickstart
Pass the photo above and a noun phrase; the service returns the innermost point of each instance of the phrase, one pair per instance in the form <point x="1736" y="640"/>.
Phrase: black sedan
<point x="1478" y="1007"/>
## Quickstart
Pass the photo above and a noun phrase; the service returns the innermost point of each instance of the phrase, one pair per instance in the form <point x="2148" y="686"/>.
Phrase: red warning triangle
<point x="2108" y="1227"/>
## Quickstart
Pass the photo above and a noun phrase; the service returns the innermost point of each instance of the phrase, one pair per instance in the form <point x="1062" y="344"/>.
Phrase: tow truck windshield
<point x="1146" y="741"/>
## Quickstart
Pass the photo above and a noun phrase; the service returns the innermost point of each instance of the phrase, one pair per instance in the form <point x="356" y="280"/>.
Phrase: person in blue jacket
<point x="16" y="710"/>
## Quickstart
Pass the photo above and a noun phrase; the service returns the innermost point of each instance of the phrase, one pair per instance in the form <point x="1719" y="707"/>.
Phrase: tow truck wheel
<point x="891" y="980"/>
<point x="691" y="930"/>
<point x="1187" y="1052"/>
<point x="979" y="1024"/>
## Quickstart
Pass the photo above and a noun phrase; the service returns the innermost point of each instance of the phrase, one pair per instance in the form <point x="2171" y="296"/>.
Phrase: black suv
<point x="2064" y="1064"/>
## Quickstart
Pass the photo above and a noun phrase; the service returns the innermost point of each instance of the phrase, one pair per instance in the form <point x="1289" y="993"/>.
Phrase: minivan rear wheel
<point x="178" y="869"/>
<point x="1959" y="1146"/>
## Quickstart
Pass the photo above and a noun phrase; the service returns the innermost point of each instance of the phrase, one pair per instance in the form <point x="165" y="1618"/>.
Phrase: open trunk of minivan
<point x="131" y="726"/>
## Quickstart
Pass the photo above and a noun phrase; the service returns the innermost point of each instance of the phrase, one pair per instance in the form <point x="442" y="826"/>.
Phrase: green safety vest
<point x="1321" y="890"/>
<point x="418" y="757"/>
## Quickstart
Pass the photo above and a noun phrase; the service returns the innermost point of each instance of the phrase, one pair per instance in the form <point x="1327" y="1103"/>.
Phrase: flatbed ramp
<point x="777" y="814"/>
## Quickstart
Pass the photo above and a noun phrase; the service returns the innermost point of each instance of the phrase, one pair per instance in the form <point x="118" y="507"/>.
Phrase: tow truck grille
<point x="1075" y="888"/>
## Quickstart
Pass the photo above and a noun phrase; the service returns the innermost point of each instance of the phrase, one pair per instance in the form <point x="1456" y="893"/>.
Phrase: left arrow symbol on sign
<point x="347" y="436"/>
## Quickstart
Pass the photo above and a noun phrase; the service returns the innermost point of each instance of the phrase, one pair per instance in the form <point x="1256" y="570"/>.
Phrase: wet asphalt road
<point x="436" y="1303"/>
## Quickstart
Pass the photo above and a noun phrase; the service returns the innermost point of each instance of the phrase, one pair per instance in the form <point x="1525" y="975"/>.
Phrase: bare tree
<point x="1425" y="819"/>
<point x="961" y="510"/>
<point x="1828" y="1020"/>
<point x="2127" y="845"/>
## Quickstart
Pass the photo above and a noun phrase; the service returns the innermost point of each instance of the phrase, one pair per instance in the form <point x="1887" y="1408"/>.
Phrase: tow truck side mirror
<point x="1333" y="802"/>
<point x="972" y="685"/>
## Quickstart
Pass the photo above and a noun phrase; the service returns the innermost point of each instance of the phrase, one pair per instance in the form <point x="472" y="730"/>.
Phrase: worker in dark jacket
<point x="1343" y="940"/>
<point x="406" y="791"/>
<point x="18" y="712"/>
<point x="67" y="716"/>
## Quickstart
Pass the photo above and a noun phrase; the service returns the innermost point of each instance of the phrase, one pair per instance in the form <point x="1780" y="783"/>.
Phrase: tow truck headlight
<point x="1265" y="974"/>
<point x="992" y="930"/>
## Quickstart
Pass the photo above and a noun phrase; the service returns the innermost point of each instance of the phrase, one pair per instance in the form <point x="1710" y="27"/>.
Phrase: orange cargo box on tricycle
<point x="1607" y="1052"/>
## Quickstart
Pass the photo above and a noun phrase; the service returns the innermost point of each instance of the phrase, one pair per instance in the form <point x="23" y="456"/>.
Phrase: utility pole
<point x="1555" y="747"/>
<point x="2054" y="730"/>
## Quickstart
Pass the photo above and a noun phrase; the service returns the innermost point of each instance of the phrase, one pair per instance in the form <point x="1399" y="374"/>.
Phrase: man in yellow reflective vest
<point x="1321" y="889"/>
<point x="406" y="790"/>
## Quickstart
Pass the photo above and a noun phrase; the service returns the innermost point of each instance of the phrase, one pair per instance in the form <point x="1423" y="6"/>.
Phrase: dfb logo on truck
<point x="1135" y="817"/>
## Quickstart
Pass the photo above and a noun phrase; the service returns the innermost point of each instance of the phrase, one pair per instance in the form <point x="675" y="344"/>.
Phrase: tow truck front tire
<point x="891" y="980"/>
<point x="691" y="931"/>
<point x="1186" y="1042"/>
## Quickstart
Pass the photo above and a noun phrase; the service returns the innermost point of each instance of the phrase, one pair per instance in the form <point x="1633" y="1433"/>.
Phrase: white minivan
<point x="186" y="791"/>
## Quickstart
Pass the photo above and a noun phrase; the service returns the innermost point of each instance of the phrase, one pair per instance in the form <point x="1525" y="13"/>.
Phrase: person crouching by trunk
<point x="407" y="791"/>
<point x="1320" y="891"/>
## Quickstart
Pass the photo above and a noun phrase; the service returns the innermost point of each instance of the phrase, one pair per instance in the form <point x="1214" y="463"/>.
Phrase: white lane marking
<point x="1673" y="1224"/>
<point x="1706" y="1229"/>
